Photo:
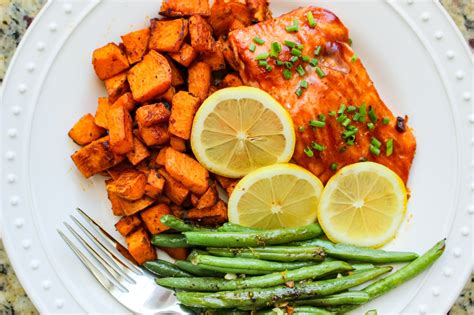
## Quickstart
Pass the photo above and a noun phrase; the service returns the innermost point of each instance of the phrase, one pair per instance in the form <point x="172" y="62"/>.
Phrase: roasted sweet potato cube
<point x="176" y="76"/>
<point x="116" y="86"/>
<point x="133" y="206"/>
<point x="85" y="130"/>
<point x="126" y="100"/>
<point x="209" y="198"/>
<point x="127" y="224"/>
<point x="185" y="56"/>
<point x="164" y="199"/>
<point x="216" y="214"/>
<point x="231" y="80"/>
<point x="148" y="115"/>
<point x="194" y="199"/>
<point x="168" y="35"/>
<point x="161" y="157"/>
<point x="176" y="253"/>
<point x="187" y="170"/>
<point x="200" y="33"/>
<point x="228" y="53"/>
<point x="119" y="123"/>
<point x="259" y="10"/>
<point x="136" y="44"/>
<point x="224" y="13"/>
<point x="114" y="200"/>
<point x="184" y="106"/>
<point x="174" y="189"/>
<point x="151" y="217"/>
<point x="178" y="144"/>
<point x="150" y="77"/>
<point x="199" y="80"/>
<point x="95" y="157"/>
<point x="177" y="211"/>
<point x="215" y="58"/>
<point x="143" y="167"/>
<point x="120" y="168"/>
<point x="168" y="95"/>
<point x="155" y="184"/>
<point x="139" y="246"/>
<point x="178" y="8"/>
<point x="154" y="135"/>
<point x="129" y="185"/>
<point x="101" y="112"/>
<point x="138" y="153"/>
<point x="109" y="61"/>
<point x="224" y="181"/>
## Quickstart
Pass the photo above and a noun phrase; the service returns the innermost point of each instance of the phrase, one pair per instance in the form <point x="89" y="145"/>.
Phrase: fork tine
<point x="106" y="251"/>
<point x="110" y="240"/>
<point x="103" y="280"/>
<point x="113" y="273"/>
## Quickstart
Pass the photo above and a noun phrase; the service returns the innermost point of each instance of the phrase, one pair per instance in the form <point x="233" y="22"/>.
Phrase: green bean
<point x="371" y="312"/>
<point x="350" y="297"/>
<point x="163" y="268"/>
<point x="273" y="279"/>
<point x="359" y="267"/>
<point x="276" y="253"/>
<point x="266" y="296"/>
<point x="169" y="240"/>
<point x="253" y="239"/>
<point x="250" y="263"/>
<point x="196" y="270"/>
<point x="179" y="225"/>
<point x="299" y="310"/>
<point x="204" y="311"/>
<point x="234" y="270"/>
<point x="355" y="253"/>
<point x="231" y="227"/>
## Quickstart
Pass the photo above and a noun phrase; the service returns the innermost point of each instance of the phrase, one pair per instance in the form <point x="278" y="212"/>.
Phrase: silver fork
<point x="129" y="284"/>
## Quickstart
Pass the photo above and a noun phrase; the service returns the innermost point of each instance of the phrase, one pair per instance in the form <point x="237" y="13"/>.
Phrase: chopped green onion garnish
<point x="349" y="133"/>
<point x="354" y="58"/>
<point x="342" y="109"/>
<point x="252" y="47"/>
<point x="299" y="92"/>
<point x="332" y="113"/>
<point x="374" y="150"/>
<point x="295" y="52"/>
<point x="346" y="122"/>
<point x="269" y="68"/>
<point x="362" y="112"/>
<point x="322" y="117"/>
<point x="351" y="109"/>
<point x="293" y="28"/>
<point x="317" y="123"/>
<point x="258" y="40"/>
<point x="289" y="64"/>
<point x="308" y="152"/>
<point x="262" y="63"/>
<point x="300" y="46"/>
<point x="313" y="62"/>
<point x="341" y="118"/>
<point x="305" y="58"/>
<point x="385" y="120"/>
<point x="376" y="143"/>
<point x="289" y="43"/>
<point x="349" y="41"/>
<point x="301" y="128"/>
<point x="304" y="84"/>
<point x="278" y="62"/>
<point x="371" y="126"/>
<point x="311" y="21"/>
<point x="372" y="115"/>
<point x="350" y="141"/>
<point x="262" y="56"/>
<point x="294" y="59"/>
<point x="275" y="49"/>
<point x="333" y="166"/>
<point x="356" y="117"/>
<point x="300" y="70"/>
<point x="287" y="74"/>
<point x="317" y="146"/>
<point x="317" y="50"/>
<point x="351" y="127"/>
<point x="389" y="147"/>
<point x="320" y="72"/>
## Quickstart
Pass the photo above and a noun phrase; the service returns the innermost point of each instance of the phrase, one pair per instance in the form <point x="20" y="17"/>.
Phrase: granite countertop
<point x="16" y="16"/>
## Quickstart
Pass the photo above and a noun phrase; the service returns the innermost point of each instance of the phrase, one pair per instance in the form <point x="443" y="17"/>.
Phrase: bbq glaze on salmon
<point x="339" y="81"/>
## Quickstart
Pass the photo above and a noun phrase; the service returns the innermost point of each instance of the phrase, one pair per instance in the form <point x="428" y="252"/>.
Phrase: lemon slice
<point x="237" y="130"/>
<point x="280" y="195"/>
<point x="363" y="204"/>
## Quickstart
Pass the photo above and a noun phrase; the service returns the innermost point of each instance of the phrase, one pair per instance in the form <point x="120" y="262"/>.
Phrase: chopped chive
<point x="322" y="117"/>
<point x="362" y="112"/>
<point x="354" y="58"/>
<point x="252" y="47"/>
<point x="300" y="70"/>
<point x="341" y="118"/>
<point x="295" y="52"/>
<point x="275" y="49"/>
<point x="385" y="120"/>
<point x="262" y="56"/>
<point x="333" y="166"/>
<point x="350" y="141"/>
<point x="342" y="109"/>
<point x="288" y="64"/>
<point x="370" y="126"/>
<point x="389" y="147"/>
<point x="317" y="146"/>
<point x="352" y="128"/>
<point x="287" y="74"/>
<point x="372" y="115"/>
<point x="351" y="109"/>
<point x="301" y="128"/>
<point x="258" y="40"/>
<point x="356" y="117"/>
<point x="375" y="142"/>
<point x="305" y="58"/>
<point x="346" y="122"/>
<point x="262" y="63"/>
<point x="348" y="133"/>
<point x="317" y="123"/>
<point x="332" y="113"/>
<point x="311" y="21"/>
<point x="290" y="44"/>
<point x="320" y="72"/>
<point x="268" y="68"/>
<point x="278" y="62"/>
<point x="313" y="62"/>
<point x="294" y="59"/>
<point x="349" y="41"/>
<point x="300" y="46"/>
<point x="308" y="152"/>
<point x="374" y="150"/>
<point x="293" y="28"/>
<point x="299" y="92"/>
<point x="317" y="51"/>
<point x="304" y="84"/>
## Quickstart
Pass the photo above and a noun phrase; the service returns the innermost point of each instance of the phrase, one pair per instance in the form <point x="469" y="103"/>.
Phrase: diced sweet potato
<point x="168" y="35"/>
<point x="143" y="167"/>
<point x="168" y="95"/>
<point x="178" y="144"/>
<point x="176" y="253"/>
<point x="231" y="187"/>
<point x="114" y="200"/>
<point x="185" y="56"/>
<point x="231" y="80"/>
<point x="161" y="157"/>
<point x="155" y="184"/>
<point x="129" y="185"/>
<point x="224" y="181"/>
<point x="85" y="130"/>
<point x="119" y="123"/>
<point x="176" y="76"/>
<point x="228" y="53"/>
<point x="120" y="168"/>
<point x="177" y="211"/>
<point x="138" y="153"/>
<point x="199" y="80"/>
<point x="136" y="44"/>
<point x="154" y="135"/>
<point x="200" y="33"/>
<point x="215" y="58"/>
<point x="209" y="198"/>
<point x="148" y="115"/>
<point x="178" y="8"/>
<point x="101" y="112"/>
<point x="194" y="199"/>
<point x="150" y="77"/>
<point x="151" y="217"/>
<point x="95" y="157"/>
<point x="109" y="61"/>
<point x="224" y="13"/>
<point x="164" y="199"/>
<point x="187" y="170"/>
<point x="116" y="86"/>
<point x="174" y="189"/>
<point x="133" y="206"/>
<point x="259" y="10"/>
<point x="217" y="214"/>
<point x="184" y="106"/>
<point x="126" y="100"/>
<point x="127" y="224"/>
<point x="139" y="246"/>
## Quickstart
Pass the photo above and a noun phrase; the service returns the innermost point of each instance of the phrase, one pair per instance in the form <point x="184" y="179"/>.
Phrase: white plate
<point x="412" y="50"/>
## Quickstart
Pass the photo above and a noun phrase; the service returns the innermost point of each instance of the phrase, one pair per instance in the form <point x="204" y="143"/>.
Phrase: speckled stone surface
<point x="16" y="16"/>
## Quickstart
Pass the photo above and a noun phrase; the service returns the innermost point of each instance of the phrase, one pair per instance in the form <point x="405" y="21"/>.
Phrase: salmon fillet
<point x="345" y="82"/>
